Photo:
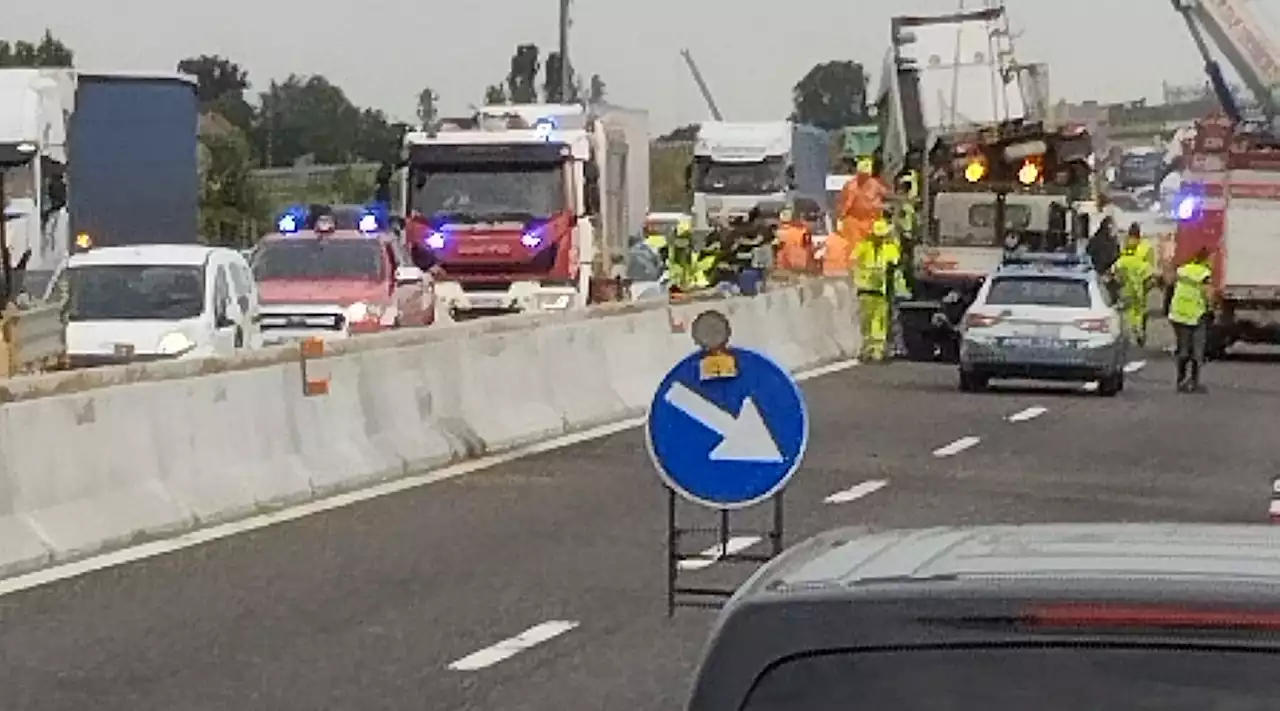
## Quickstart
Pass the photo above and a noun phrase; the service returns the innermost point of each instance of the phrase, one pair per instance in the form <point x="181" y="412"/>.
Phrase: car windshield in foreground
<point x="135" y="292"/>
<point x="1012" y="678"/>
<point x="319" y="259"/>
<point x="1065" y="292"/>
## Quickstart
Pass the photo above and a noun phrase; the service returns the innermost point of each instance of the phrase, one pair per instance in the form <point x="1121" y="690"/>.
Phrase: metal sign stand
<point x="709" y="597"/>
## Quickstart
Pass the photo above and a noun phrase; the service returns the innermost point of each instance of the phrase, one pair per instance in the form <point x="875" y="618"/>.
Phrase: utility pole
<point x="566" y="74"/>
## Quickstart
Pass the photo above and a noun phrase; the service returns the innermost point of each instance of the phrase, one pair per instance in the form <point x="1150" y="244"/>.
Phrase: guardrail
<point x="32" y="339"/>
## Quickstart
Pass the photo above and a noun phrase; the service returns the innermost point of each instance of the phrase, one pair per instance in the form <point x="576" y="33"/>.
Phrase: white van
<point x="152" y="302"/>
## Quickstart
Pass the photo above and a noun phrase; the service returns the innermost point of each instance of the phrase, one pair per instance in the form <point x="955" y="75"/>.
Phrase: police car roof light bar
<point x="1065" y="260"/>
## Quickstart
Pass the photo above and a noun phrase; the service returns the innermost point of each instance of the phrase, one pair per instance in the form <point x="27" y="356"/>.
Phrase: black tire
<point x="973" y="382"/>
<point x="1111" y="385"/>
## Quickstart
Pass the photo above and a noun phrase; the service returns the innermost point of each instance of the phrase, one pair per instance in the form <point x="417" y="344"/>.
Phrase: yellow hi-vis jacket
<point x="871" y="264"/>
<point x="1190" y="303"/>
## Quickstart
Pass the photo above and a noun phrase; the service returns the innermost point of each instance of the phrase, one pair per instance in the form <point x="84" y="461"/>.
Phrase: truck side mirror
<point x="590" y="190"/>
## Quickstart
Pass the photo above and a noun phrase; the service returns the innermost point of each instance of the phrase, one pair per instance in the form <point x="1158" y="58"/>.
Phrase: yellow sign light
<point x="84" y="241"/>
<point x="975" y="171"/>
<point x="1029" y="173"/>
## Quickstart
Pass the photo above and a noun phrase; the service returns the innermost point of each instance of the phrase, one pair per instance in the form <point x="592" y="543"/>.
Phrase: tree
<point x="427" y="109"/>
<point x="598" y="89"/>
<point x="229" y="201"/>
<point x="681" y="134"/>
<point x="552" y="86"/>
<point x="306" y="117"/>
<point x="495" y="94"/>
<point x="831" y="95"/>
<point x="522" y="79"/>
<point x="48" y="52"/>
<point x="221" y="85"/>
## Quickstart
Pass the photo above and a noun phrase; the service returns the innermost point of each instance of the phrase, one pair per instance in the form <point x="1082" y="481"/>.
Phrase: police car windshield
<point x="319" y="259"/>
<point x="135" y="292"/>
<point x="1067" y="292"/>
<point x="1009" y="678"/>
<point x="489" y="191"/>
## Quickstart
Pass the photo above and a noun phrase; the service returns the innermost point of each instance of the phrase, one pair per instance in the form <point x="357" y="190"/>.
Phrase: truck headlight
<point x="174" y="344"/>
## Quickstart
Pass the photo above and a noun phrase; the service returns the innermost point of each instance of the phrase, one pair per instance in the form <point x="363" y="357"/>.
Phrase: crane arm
<point x="1240" y="39"/>
<point x="702" y="85"/>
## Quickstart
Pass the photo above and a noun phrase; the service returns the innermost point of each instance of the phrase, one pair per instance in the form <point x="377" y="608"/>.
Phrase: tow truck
<point x="1229" y="197"/>
<point x="528" y="207"/>
<point x="987" y="183"/>
<point x="315" y="280"/>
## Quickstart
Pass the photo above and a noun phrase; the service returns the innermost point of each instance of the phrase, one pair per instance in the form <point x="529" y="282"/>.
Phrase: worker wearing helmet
<point x="1134" y="269"/>
<point x="875" y="259"/>
<point x="795" y="242"/>
<point x="688" y="268"/>
<point x="751" y="249"/>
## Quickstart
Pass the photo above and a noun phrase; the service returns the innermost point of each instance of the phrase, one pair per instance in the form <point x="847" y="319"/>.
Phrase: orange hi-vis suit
<point x="795" y="243"/>
<point x="861" y="204"/>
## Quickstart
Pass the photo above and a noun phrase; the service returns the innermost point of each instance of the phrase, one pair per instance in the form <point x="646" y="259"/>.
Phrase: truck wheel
<point x="1111" y="385"/>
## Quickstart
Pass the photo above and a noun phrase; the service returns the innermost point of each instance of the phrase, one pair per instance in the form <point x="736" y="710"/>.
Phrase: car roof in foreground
<point x="145" y="254"/>
<point x="853" y="588"/>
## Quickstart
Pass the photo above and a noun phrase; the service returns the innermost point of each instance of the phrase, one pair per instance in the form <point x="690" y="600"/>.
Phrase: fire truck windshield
<point x="351" y="259"/>
<point x="489" y="191"/>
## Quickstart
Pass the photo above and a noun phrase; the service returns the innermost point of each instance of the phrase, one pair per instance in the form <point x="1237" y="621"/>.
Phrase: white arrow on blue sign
<point x="727" y="430"/>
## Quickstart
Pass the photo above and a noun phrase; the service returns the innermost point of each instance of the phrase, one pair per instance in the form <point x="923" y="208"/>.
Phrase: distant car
<point x="1056" y="617"/>
<point x="157" y="302"/>
<point x="1043" y="317"/>
<point x="335" y="285"/>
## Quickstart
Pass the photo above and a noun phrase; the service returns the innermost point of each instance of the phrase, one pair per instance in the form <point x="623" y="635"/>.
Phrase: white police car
<point x="1043" y="317"/>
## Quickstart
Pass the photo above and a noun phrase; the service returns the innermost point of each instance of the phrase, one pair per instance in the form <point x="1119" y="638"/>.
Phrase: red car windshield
<point x="1020" y="678"/>
<point x="350" y="259"/>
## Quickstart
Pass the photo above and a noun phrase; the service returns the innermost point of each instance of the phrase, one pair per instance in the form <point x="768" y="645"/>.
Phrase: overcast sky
<point x="383" y="51"/>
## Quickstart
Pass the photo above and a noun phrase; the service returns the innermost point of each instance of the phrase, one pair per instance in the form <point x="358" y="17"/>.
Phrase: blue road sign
<point x="727" y="430"/>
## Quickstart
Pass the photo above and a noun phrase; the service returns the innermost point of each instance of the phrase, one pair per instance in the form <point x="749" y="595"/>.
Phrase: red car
<point x="337" y="283"/>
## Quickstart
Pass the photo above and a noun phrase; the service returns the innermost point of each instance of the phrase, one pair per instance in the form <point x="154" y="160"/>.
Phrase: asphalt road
<point x="368" y="606"/>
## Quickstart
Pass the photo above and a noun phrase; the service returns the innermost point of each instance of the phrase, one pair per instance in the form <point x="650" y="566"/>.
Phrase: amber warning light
<point x="1127" y="616"/>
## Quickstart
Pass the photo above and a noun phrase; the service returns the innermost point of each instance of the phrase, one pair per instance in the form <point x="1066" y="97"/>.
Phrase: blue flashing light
<point x="530" y="240"/>
<point x="1187" y="208"/>
<point x="435" y="240"/>
<point x="368" y="223"/>
<point x="543" y="127"/>
<point x="288" y="224"/>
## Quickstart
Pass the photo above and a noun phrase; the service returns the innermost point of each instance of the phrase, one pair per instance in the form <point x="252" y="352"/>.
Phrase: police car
<point x="1058" y="617"/>
<point x="1043" y="317"/>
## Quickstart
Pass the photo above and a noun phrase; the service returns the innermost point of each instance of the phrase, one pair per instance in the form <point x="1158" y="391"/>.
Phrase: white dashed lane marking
<point x="508" y="648"/>
<point x="856" y="492"/>
<point x="956" y="447"/>
<point x="1030" y="413"/>
<point x="1135" y="366"/>
<point x="708" y="558"/>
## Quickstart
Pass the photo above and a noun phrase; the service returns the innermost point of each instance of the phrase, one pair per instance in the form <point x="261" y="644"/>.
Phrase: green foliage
<point x="427" y="110"/>
<point x="522" y="86"/>
<point x="522" y="78"/>
<point x="552" y="86"/>
<point x="48" y="52"/>
<point x="230" y="204"/>
<point x="831" y="95"/>
<point x="495" y="94"/>
<point x="668" y="163"/>
<point x="598" y="90"/>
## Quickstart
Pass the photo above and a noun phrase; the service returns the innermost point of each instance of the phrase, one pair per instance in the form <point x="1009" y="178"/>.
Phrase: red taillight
<point x="1094" y="325"/>
<point x="1096" y="615"/>
<point x="980" y="320"/>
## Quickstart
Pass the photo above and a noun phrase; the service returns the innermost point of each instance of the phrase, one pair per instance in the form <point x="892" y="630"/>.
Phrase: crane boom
<point x="1240" y="39"/>
<point x="702" y="85"/>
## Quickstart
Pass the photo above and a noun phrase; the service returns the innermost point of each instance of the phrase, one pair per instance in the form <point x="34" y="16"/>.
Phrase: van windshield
<point x="135" y="292"/>
<point x="1015" y="678"/>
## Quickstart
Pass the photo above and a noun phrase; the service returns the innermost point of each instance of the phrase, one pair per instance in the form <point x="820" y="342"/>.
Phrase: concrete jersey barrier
<point x="96" y="460"/>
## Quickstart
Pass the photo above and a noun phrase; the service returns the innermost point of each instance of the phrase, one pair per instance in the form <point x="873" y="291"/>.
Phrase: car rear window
<point x="1030" y="678"/>
<point x="1039" y="291"/>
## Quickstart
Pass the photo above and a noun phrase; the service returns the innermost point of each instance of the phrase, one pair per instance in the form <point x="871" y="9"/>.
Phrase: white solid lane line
<point x="1135" y="366"/>
<point x="1030" y="413"/>
<point x="854" y="493"/>
<point x="708" y="558"/>
<point x="508" y="648"/>
<point x="956" y="447"/>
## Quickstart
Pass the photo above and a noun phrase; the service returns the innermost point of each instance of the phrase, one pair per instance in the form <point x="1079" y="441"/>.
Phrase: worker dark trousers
<point x="1191" y="342"/>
